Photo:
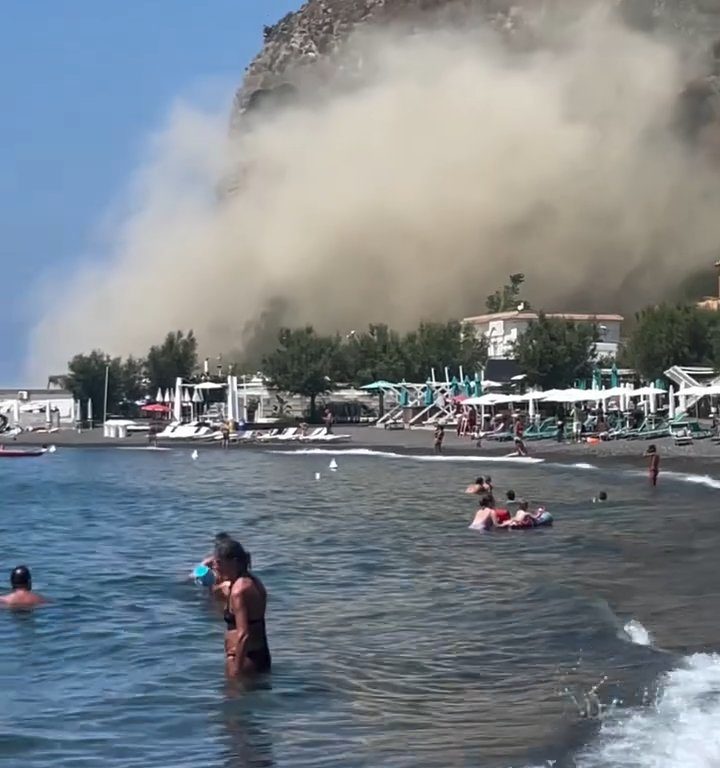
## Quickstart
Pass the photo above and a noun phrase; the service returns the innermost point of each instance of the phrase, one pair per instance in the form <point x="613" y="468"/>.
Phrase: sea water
<point x="399" y="637"/>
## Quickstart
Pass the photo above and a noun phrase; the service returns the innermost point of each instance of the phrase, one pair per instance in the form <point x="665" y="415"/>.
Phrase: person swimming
<point x="600" y="498"/>
<point x="22" y="598"/>
<point x="487" y="516"/>
<point x="246" y="646"/>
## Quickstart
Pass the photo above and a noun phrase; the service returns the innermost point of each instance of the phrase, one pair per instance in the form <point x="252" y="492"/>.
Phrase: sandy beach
<point x="702" y="453"/>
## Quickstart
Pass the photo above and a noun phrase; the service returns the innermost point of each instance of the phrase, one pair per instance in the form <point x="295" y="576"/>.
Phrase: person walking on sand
<point x="654" y="468"/>
<point x="21" y="598"/>
<point x="439" y="437"/>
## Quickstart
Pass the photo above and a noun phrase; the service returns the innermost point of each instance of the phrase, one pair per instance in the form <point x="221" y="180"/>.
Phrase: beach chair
<point x="271" y="435"/>
<point x="547" y="430"/>
<point x="315" y="434"/>
<point x="693" y="428"/>
<point x="291" y="433"/>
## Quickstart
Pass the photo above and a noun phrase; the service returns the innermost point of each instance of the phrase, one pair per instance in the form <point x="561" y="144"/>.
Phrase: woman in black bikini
<point x="246" y="646"/>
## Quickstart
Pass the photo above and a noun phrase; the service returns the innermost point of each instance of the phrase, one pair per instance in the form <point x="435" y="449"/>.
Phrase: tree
<point x="553" y="352"/>
<point x="304" y="364"/>
<point x="133" y="379"/>
<point x="436" y="345"/>
<point x="176" y="356"/>
<point x="507" y="298"/>
<point x="669" y="335"/>
<point x="373" y="355"/>
<point x="86" y="380"/>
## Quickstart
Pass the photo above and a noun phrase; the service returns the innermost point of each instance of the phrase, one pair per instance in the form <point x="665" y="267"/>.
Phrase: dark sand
<point x="701" y="454"/>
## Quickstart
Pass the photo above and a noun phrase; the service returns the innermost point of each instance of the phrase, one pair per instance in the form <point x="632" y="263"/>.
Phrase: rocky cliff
<point x="307" y="39"/>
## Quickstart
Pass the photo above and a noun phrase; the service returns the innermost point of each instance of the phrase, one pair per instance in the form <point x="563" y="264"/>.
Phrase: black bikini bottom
<point x="260" y="657"/>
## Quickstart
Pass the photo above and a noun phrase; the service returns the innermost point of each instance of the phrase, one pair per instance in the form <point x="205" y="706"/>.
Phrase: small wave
<point x="583" y="465"/>
<point x="407" y="456"/>
<point x="678" y="729"/>
<point x="706" y="480"/>
<point x="637" y="633"/>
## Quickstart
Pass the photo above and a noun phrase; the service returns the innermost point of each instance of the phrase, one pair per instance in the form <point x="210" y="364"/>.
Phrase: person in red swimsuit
<point x="654" y="468"/>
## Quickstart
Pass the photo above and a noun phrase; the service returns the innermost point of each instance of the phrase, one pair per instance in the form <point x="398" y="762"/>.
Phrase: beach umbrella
<point x="16" y="412"/>
<point x="671" y="403"/>
<point x="404" y="397"/>
<point x="614" y="377"/>
<point x="197" y="397"/>
<point x="159" y="396"/>
<point x="89" y="411"/>
<point x="209" y="385"/>
<point x="596" y="378"/>
<point x="177" y="400"/>
<point x="467" y="384"/>
<point x="682" y="399"/>
<point x="429" y="397"/>
<point x="454" y="387"/>
<point x="379" y="385"/>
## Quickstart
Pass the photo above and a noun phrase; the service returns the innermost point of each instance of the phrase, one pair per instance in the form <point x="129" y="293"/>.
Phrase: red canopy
<point x="156" y="408"/>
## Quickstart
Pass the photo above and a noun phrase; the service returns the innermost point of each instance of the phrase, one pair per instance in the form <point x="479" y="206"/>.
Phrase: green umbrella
<point x="478" y="386"/>
<point x="404" y="396"/>
<point x="614" y="378"/>
<point x="467" y="384"/>
<point x="429" y="395"/>
<point x="454" y="387"/>
<point x="597" y="378"/>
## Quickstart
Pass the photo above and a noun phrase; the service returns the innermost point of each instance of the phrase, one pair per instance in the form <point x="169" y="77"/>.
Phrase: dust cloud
<point x="410" y="191"/>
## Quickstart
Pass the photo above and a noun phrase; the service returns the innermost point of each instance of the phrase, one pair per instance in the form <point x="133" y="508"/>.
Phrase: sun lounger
<point x="291" y="433"/>
<point x="271" y="435"/>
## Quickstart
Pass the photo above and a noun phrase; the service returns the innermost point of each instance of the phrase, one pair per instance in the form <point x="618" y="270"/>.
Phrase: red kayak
<point x="16" y="453"/>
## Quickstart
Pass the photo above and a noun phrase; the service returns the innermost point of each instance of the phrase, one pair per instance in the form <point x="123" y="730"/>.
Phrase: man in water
<point x="22" y="598"/>
<point x="601" y="498"/>
<point x="487" y="517"/>
<point x="654" y="468"/>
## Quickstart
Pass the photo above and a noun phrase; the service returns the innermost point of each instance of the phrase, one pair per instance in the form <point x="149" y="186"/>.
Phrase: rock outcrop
<point x="308" y="38"/>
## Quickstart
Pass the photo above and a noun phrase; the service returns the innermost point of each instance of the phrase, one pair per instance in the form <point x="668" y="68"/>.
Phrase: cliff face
<point x="309" y="37"/>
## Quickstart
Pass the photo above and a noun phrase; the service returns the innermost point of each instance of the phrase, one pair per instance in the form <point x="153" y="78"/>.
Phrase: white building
<point x="503" y="329"/>
<point x="29" y="407"/>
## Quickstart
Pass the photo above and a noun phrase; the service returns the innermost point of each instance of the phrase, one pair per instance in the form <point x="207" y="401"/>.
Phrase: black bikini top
<point x="229" y="616"/>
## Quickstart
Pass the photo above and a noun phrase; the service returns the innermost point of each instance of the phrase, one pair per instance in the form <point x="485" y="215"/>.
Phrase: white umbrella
<point x="48" y="415"/>
<point x="159" y="396"/>
<point x="186" y="397"/>
<point x="488" y="399"/>
<point x="531" y="405"/>
<point x="197" y="397"/>
<point x="671" y="403"/>
<point x="209" y="385"/>
<point x="167" y="397"/>
<point x="649" y="391"/>
<point x="89" y="411"/>
<point x="231" y="415"/>
<point x="16" y="412"/>
<point x="682" y="399"/>
<point x="177" y="400"/>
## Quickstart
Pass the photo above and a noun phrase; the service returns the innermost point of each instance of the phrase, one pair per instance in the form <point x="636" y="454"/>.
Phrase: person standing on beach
<point x="439" y="437"/>
<point x="22" y="598"/>
<point x="654" y="468"/>
<point x="328" y="419"/>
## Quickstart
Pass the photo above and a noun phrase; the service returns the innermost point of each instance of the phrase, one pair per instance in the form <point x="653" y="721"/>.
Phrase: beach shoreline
<point x="411" y="442"/>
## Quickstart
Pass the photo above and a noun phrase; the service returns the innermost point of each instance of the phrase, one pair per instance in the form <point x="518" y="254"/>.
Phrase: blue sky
<point x="84" y="83"/>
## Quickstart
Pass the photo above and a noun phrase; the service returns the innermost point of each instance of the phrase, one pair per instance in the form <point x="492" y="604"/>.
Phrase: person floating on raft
<point x="487" y="517"/>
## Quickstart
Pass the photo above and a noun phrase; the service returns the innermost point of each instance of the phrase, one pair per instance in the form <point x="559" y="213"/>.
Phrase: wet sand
<point x="416" y="441"/>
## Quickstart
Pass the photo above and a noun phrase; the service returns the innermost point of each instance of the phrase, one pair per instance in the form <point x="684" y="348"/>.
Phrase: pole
<point x="107" y="377"/>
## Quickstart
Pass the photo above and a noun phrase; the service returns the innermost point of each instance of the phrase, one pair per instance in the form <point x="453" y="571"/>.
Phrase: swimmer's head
<point x="510" y="495"/>
<point x="480" y="480"/>
<point x="222" y="536"/>
<point x="232" y="557"/>
<point x="602" y="496"/>
<point x="651" y="449"/>
<point x="20" y="577"/>
<point x="488" y="480"/>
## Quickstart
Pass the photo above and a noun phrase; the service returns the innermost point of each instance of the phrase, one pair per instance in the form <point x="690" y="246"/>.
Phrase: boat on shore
<point x="21" y="453"/>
